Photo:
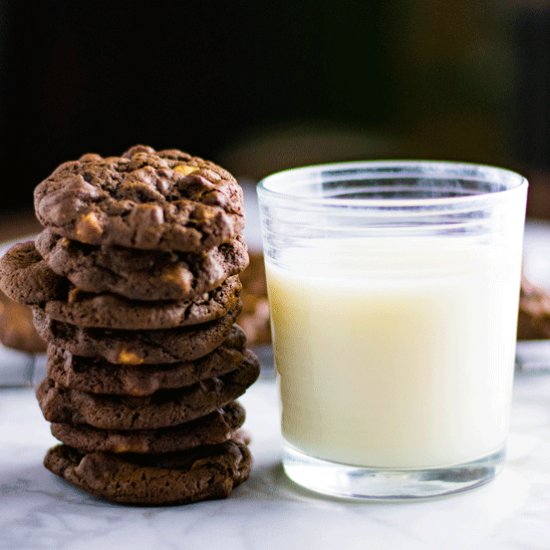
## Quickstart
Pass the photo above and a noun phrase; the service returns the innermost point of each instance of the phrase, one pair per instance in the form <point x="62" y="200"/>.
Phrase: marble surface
<point x="38" y="510"/>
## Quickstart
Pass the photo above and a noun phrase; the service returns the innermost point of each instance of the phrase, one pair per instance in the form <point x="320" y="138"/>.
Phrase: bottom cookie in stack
<point x="150" y="434"/>
<point x="202" y="473"/>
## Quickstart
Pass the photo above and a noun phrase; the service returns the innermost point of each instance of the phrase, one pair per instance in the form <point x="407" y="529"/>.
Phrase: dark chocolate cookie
<point x="534" y="312"/>
<point x="113" y="312"/>
<point x="97" y="376"/>
<point x="163" y="408"/>
<point x="34" y="283"/>
<point x="207" y="472"/>
<point x="142" y="274"/>
<point x="16" y="328"/>
<point x="255" y="315"/>
<point x="127" y="347"/>
<point x="214" y="428"/>
<point x="147" y="199"/>
<point x="25" y="278"/>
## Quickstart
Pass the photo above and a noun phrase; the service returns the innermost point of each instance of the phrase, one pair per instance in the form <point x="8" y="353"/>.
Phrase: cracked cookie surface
<point x="28" y="279"/>
<point x="25" y="278"/>
<point x="113" y="312"/>
<point x="142" y="274"/>
<point x="145" y="199"/>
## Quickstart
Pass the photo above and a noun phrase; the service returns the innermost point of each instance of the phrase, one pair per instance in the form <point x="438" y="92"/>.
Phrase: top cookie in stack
<point x="134" y="285"/>
<point x="165" y="200"/>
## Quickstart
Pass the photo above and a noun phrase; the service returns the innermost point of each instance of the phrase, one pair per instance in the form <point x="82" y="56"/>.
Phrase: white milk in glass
<point x="395" y="353"/>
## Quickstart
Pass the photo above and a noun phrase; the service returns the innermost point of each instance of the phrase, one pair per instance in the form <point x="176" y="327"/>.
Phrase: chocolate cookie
<point x="128" y="347"/>
<point x="214" y="428"/>
<point x="147" y="199"/>
<point x="254" y="318"/>
<point x="34" y="283"/>
<point x="163" y="408"/>
<point x="25" y="278"/>
<point x="97" y="376"/>
<point x="16" y="328"/>
<point x="112" y="312"/>
<point x="142" y="274"/>
<point x="204" y="473"/>
<point x="534" y="312"/>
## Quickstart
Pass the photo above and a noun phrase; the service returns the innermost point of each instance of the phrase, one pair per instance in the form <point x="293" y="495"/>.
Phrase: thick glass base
<point x="355" y="482"/>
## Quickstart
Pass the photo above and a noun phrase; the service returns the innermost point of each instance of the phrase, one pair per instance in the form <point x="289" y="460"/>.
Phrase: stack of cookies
<point x="134" y="284"/>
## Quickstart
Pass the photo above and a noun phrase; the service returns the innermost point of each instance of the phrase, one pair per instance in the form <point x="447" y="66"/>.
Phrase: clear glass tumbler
<point x="393" y="289"/>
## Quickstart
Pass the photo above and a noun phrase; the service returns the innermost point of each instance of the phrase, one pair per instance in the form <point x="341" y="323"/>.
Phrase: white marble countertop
<point x="38" y="510"/>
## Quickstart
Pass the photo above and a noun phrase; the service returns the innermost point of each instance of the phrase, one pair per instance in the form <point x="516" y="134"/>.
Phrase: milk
<point x="395" y="353"/>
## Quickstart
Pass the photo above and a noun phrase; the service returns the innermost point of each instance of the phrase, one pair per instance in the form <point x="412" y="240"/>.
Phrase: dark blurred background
<point x="260" y="86"/>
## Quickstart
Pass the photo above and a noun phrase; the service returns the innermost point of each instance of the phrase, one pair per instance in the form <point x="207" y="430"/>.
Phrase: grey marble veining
<point x="38" y="510"/>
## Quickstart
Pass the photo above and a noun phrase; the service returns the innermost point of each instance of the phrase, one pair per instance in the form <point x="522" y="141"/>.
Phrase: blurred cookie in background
<point x="254" y="318"/>
<point x="16" y="328"/>
<point x="534" y="312"/>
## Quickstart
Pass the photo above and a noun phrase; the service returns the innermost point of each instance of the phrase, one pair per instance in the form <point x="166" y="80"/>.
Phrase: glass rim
<point x="513" y="182"/>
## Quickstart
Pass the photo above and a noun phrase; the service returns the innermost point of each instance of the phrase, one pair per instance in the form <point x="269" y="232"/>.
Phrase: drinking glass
<point x="393" y="289"/>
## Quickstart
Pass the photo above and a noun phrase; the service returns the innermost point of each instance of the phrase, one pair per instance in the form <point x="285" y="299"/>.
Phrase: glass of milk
<point x="394" y="292"/>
